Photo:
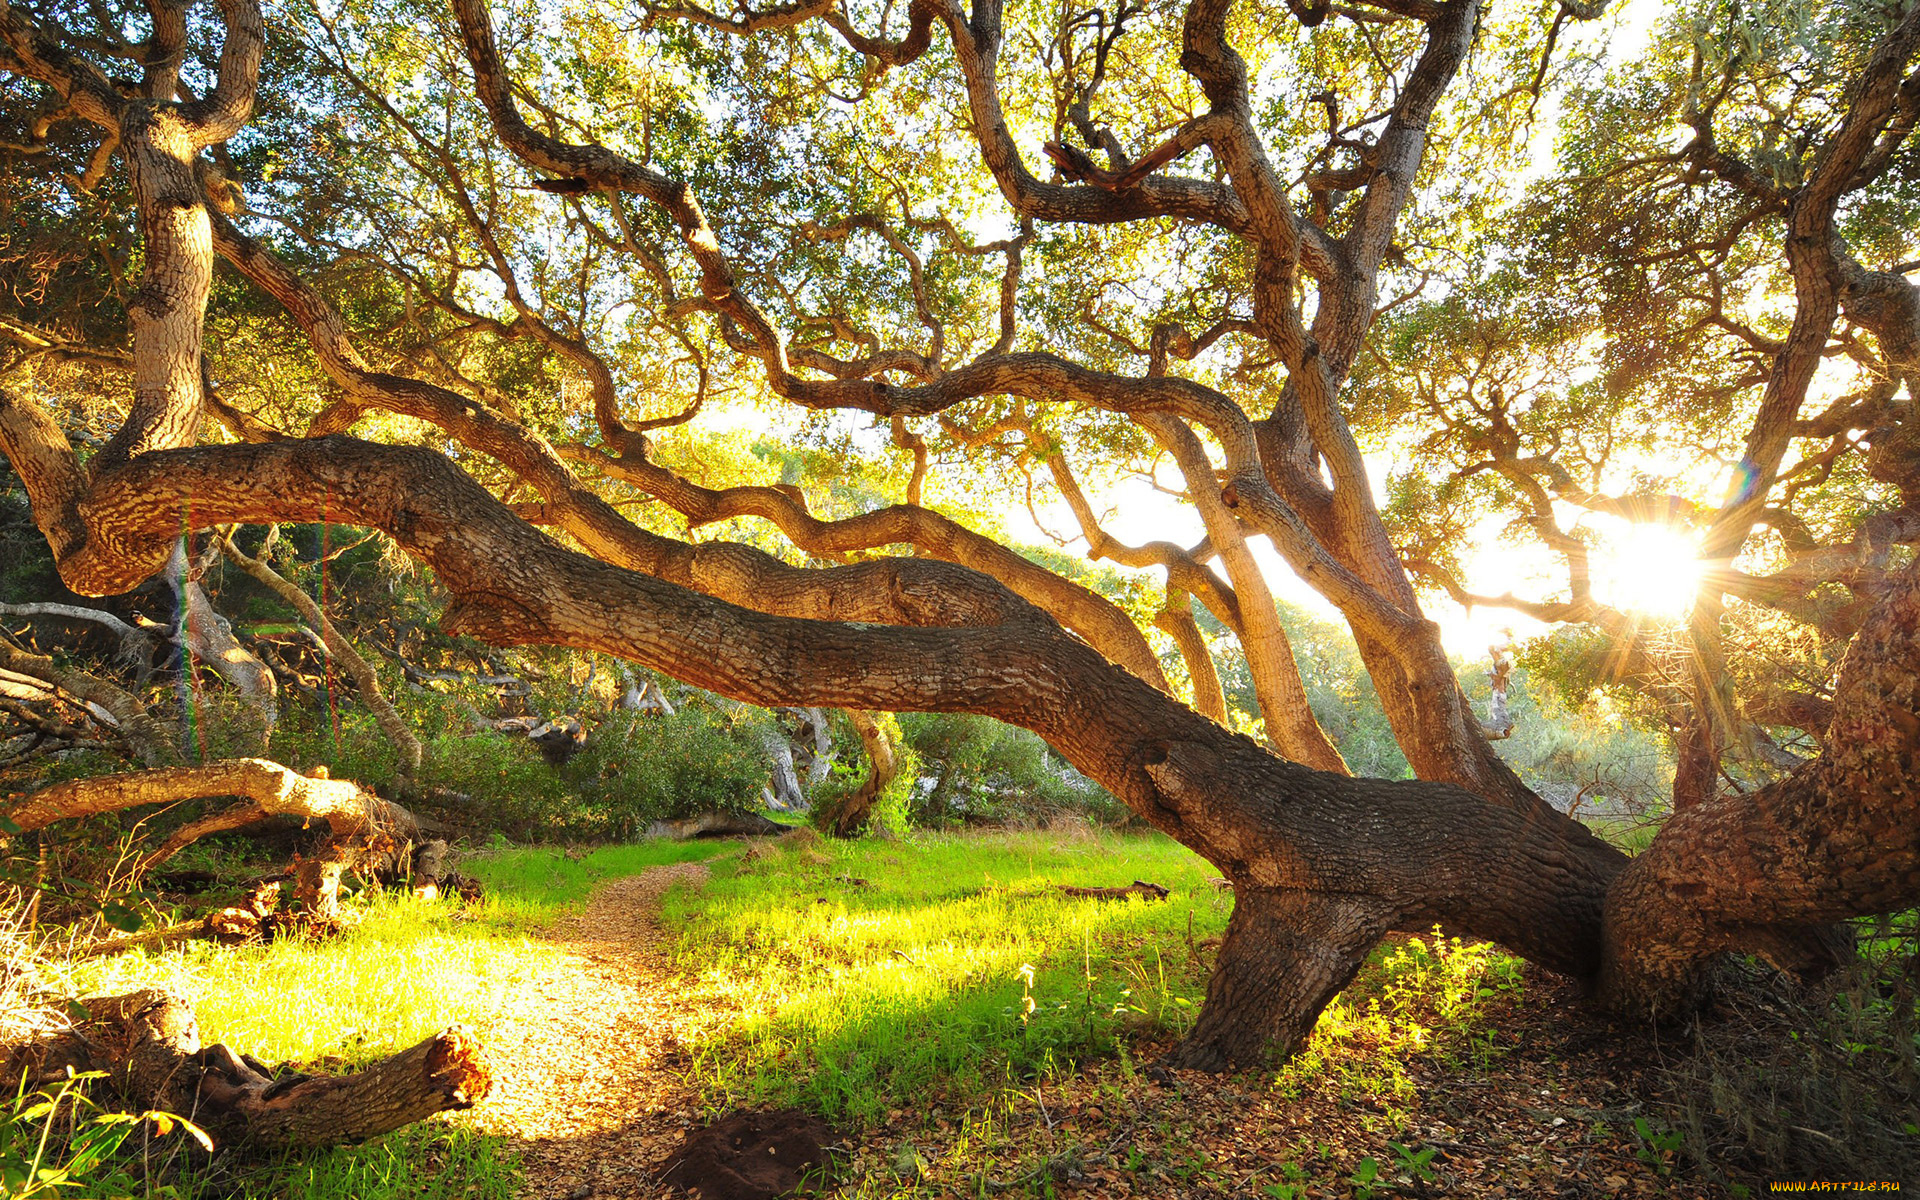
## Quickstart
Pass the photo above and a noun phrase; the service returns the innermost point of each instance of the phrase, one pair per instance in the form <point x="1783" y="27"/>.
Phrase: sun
<point x="1650" y="569"/>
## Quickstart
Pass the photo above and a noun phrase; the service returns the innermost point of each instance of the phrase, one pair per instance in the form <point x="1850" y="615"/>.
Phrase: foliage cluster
<point x="978" y="771"/>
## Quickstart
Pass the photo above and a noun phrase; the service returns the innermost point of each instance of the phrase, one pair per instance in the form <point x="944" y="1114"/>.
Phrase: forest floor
<point x="598" y="1082"/>
<point x="590" y="1061"/>
<point x="962" y="1025"/>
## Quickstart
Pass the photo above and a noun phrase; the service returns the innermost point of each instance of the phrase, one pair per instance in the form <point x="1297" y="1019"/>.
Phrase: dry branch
<point x="280" y="791"/>
<point x="339" y="646"/>
<point x="1139" y="887"/>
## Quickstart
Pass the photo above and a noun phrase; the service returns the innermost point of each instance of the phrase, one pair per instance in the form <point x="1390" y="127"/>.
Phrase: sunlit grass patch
<point x="1417" y="998"/>
<point x="868" y="973"/>
<point x="430" y="1161"/>
<point x="406" y="970"/>
<point x="528" y="886"/>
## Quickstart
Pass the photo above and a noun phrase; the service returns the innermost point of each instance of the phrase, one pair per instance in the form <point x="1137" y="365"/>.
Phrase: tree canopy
<point x="1358" y="281"/>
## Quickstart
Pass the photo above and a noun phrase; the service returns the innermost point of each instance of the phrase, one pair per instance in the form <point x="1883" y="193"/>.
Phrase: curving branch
<point x="1092" y="616"/>
<point x="338" y="645"/>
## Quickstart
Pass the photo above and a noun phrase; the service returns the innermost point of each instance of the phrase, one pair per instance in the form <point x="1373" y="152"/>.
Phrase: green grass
<point x="957" y="965"/>
<point x="528" y="887"/>
<point x="406" y="970"/>
<point x="855" y="979"/>
<point x="957" y="971"/>
<point x="434" y="1160"/>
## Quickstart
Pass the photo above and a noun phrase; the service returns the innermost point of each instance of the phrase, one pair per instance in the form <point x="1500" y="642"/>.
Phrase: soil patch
<point x="751" y="1156"/>
<point x="591" y="1054"/>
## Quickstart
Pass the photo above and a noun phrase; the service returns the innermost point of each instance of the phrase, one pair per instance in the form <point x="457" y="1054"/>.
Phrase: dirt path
<point x="589" y="1054"/>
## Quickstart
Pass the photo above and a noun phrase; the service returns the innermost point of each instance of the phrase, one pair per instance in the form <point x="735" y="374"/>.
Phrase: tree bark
<point x="847" y="816"/>
<point x="268" y="788"/>
<point x="1177" y="620"/>
<point x="204" y="636"/>
<point x="149" y="1044"/>
<point x="1838" y="838"/>
<point x="1287" y="954"/>
<point x="786" y="792"/>
<point x="146" y="735"/>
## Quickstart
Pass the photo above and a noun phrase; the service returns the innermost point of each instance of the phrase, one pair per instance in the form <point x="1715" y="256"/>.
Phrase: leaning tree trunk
<point x="206" y="637"/>
<point x="847" y="816"/>
<point x="148" y="1043"/>
<point x="1838" y="838"/>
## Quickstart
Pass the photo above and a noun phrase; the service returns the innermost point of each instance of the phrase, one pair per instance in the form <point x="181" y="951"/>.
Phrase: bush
<point x="638" y="768"/>
<point x="986" y="773"/>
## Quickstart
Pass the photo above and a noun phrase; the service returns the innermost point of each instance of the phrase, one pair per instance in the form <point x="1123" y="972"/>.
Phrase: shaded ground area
<point x="595" y="1085"/>
<point x="1553" y="1114"/>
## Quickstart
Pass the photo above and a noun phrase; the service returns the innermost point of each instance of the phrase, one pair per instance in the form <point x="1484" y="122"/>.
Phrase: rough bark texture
<point x="847" y="816"/>
<point x="147" y="736"/>
<point x="268" y="787"/>
<point x="149" y="1043"/>
<point x="1286" y="955"/>
<point x="1840" y="837"/>
<point x="1321" y="864"/>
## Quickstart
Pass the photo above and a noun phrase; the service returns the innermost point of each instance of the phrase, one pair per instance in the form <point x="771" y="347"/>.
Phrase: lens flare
<point x="1653" y="570"/>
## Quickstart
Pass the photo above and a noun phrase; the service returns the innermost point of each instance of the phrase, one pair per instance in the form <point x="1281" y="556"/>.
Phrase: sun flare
<point x="1653" y="570"/>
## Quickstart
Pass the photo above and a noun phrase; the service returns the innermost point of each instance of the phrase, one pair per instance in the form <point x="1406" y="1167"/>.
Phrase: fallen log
<point x="148" y="1043"/>
<point x="1139" y="887"/>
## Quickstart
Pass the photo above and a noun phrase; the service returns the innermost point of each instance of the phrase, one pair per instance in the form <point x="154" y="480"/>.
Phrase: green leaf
<point x="122" y="918"/>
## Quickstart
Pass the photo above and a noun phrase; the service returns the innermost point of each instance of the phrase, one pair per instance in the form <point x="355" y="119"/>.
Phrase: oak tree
<point x="521" y="248"/>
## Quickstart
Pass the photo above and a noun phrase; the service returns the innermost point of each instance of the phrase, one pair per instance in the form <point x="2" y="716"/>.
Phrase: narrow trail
<point x="588" y="1055"/>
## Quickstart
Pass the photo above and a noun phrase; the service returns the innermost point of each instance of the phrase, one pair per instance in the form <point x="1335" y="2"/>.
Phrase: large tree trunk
<point x="1838" y="838"/>
<point x="1324" y="863"/>
<point x="1286" y="955"/>
<point x="149" y="1045"/>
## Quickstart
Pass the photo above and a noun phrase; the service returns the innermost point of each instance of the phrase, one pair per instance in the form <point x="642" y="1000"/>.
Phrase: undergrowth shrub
<point x="1822" y="1085"/>
<point x="634" y="768"/>
<point x="641" y="767"/>
<point x="979" y="771"/>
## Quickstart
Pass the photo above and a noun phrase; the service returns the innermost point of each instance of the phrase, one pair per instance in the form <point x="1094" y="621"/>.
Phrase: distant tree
<point x="517" y="301"/>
